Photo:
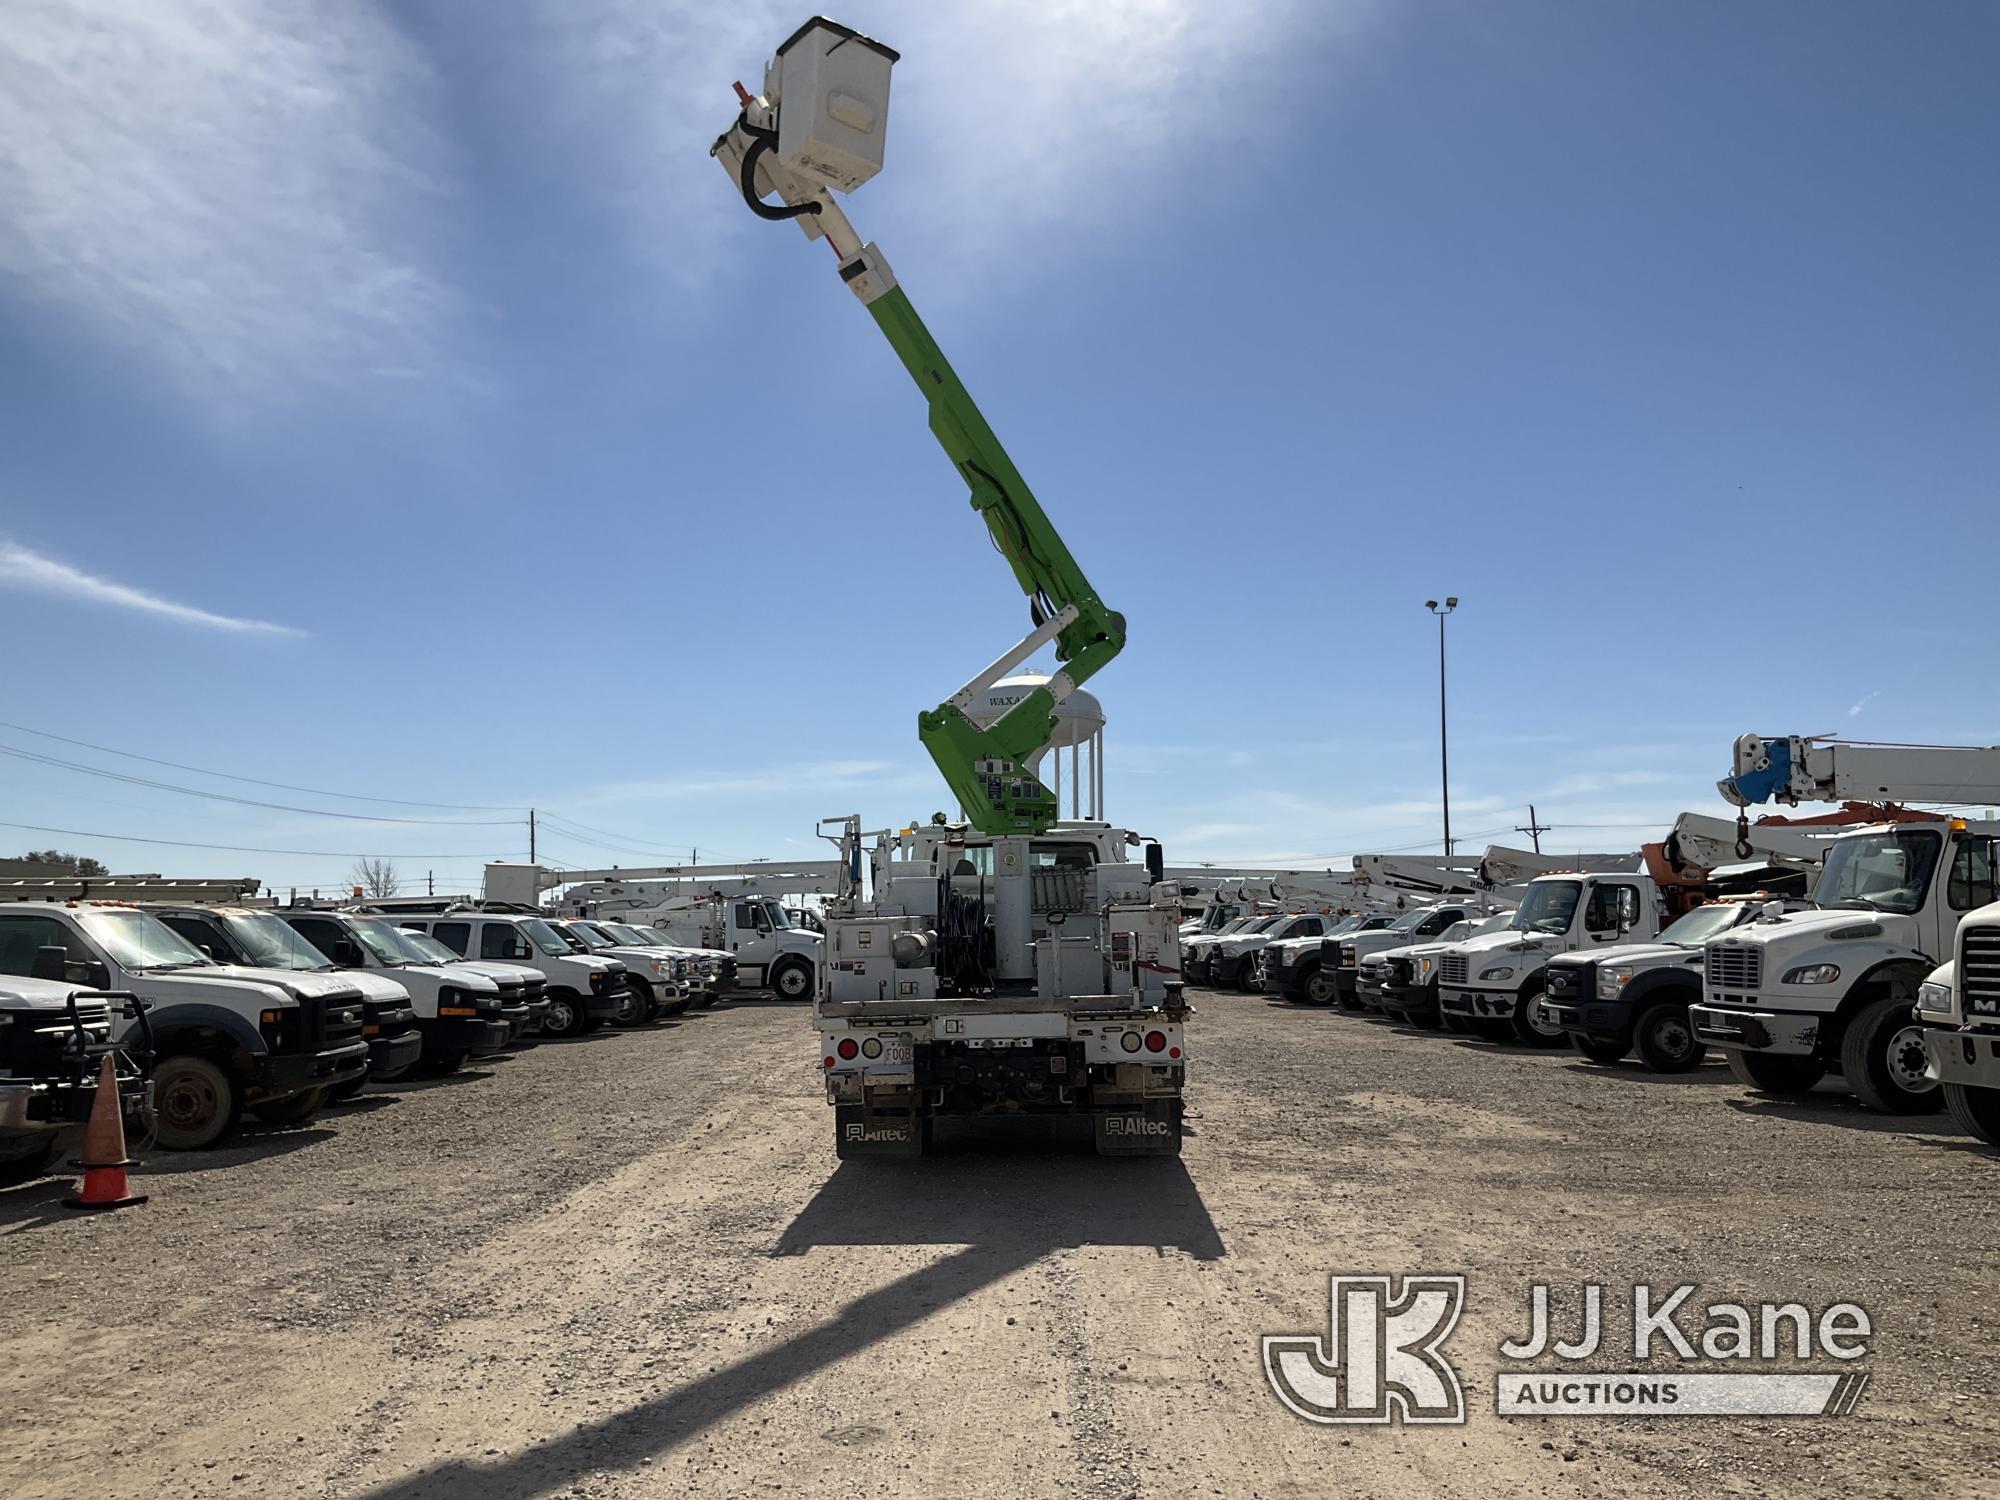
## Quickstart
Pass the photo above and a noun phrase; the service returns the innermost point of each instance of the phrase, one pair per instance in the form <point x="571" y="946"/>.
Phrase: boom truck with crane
<point x="1010" y="963"/>
<point x="1794" y="995"/>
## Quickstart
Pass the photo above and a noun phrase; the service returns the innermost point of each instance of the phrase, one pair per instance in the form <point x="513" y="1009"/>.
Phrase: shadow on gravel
<point x="422" y="1083"/>
<point x="1845" y="1110"/>
<point x="1632" y="1072"/>
<point x="1002" y="1213"/>
<point x="252" y="1143"/>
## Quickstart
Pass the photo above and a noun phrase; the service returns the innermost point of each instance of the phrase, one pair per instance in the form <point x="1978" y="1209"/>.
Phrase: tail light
<point x="848" y="1049"/>
<point x="1156" y="1041"/>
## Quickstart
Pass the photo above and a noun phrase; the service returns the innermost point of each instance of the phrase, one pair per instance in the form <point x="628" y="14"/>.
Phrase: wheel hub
<point x="1906" y="1060"/>
<point x="1674" y="1036"/>
<point x="186" y="1103"/>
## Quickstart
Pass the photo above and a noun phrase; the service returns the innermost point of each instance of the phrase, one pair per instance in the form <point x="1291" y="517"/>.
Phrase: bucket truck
<point x="1795" y="995"/>
<point x="1011" y="963"/>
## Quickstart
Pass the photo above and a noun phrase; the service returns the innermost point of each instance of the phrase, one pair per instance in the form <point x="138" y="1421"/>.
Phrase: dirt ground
<point x="631" y="1266"/>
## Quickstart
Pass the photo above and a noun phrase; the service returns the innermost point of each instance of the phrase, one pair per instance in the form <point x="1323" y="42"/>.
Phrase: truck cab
<point x="225" y="1037"/>
<point x="1413" y="926"/>
<point x="459" y="1014"/>
<point x="580" y="992"/>
<point x="1403" y="982"/>
<point x="1638" y="995"/>
<point x="1236" y="958"/>
<point x="522" y="1002"/>
<point x="262" y="939"/>
<point x="652" y="980"/>
<point x="1296" y="966"/>
<point x="1959" y="1009"/>
<point x="755" y="931"/>
<point x="1492" y="985"/>
<point x="709" y="972"/>
<point x="1794" y="995"/>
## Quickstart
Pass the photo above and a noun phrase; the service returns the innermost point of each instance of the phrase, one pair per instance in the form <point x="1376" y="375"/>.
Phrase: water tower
<point x="1079" y="728"/>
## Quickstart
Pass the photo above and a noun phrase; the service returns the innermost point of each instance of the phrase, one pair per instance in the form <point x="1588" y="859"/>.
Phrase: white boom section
<point x="1713" y="842"/>
<point x="1803" y="768"/>
<point x="524" y="884"/>
<point x="1501" y="867"/>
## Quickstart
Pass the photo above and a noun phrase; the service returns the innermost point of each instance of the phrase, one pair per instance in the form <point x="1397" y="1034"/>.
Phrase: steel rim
<point x="562" y="1016"/>
<point x="1319" y="989"/>
<point x="1906" y="1060"/>
<point x="792" y="983"/>
<point x="187" y="1103"/>
<point x="1539" y="1022"/>
<point x="1673" y="1036"/>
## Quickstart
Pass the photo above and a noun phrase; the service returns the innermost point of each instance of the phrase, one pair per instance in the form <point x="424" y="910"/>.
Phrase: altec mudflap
<point x="890" y="1071"/>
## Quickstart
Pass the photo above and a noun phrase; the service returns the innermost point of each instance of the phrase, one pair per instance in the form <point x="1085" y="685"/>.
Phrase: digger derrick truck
<point x="1011" y="963"/>
<point x="1793" y="996"/>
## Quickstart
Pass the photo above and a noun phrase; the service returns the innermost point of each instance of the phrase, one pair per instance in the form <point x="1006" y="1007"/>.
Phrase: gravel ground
<point x="631" y="1265"/>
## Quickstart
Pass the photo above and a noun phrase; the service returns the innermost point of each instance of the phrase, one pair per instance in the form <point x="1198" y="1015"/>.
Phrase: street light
<point x="1444" y="741"/>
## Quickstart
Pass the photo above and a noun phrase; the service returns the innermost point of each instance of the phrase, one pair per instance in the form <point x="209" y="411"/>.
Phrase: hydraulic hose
<point x="762" y="140"/>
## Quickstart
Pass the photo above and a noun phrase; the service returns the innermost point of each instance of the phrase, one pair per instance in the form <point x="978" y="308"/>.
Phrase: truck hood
<point x="1506" y="942"/>
<point x="1248" y="943"/>
<point x="376" y="986"/>
<point x="1817" y="926"/>
<point x="1409" y="950"/>
<point x="1642" y="955"/>
<point x="504" y="973"/>
<point x="18" y="993"/>
<point x="300" y="984"/>
<point x="453" y="974"/>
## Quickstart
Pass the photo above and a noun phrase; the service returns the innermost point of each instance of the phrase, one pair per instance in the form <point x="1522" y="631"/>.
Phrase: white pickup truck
<point x="225" y="1037"/>
<point x="581" y="991"/>
<point x="1296" y="965"/>
<point x="1791" y="997"/>
<point x="54" y="1037"/>
<point x="1402" y="983"/>
<point x="1417" y="925"/>
<point x="1493" y="984"/>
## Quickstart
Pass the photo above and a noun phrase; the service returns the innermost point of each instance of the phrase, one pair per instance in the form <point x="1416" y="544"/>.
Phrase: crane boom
<point x="1803" y="768"/>
<point x="826" y="137"/>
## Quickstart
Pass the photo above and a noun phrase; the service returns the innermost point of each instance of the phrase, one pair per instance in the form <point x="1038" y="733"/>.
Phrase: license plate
<point x="896" y="1051"/>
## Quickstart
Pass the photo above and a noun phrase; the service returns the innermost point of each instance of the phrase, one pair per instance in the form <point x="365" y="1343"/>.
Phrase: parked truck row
<point x="215" y="1004"/>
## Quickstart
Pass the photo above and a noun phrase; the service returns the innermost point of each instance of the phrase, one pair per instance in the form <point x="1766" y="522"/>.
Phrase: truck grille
<point x="1979" y="970"/>
<point x="1452" y="968"/>
<point x="44" y="1044"/>
<point x="1734" y="966"/>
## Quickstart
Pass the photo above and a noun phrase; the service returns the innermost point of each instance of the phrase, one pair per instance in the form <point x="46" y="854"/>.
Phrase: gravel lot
<point x="630" y="1265"/>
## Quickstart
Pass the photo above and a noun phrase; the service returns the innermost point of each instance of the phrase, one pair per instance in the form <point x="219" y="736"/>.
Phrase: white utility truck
<point x="225" y="1037"/>
<point x="1795" y="995"/>
<point x="1493" y="984"/>
<point x="580" y="992"/>
<point x="1418" y="925"/>
<point x="1011" y="963"/>
<point x="1402" y="983"/>
<point x="54" y="1037"/>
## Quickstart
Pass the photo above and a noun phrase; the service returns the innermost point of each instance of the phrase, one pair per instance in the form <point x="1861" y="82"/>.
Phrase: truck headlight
<point x="1500" y="973"/>
<point x="1812" y="974"/>
<point x="1612" y="981"/>
<point x="1424" y="967"/>
<point x="1934" y="997"/>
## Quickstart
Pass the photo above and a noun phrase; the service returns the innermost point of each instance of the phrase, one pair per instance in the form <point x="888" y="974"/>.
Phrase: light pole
<point x="1444" y="739"/>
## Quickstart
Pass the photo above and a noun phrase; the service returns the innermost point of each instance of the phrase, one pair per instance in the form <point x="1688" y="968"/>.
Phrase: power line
<point x="126" y="838"/>
<point x="36" y="757"/>
<point x="283" y="786"/>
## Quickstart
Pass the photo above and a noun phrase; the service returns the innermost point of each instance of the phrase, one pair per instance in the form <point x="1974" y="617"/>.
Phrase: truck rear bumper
<point x="1782" y="1033"/>
<point x="1968" y="1058"/>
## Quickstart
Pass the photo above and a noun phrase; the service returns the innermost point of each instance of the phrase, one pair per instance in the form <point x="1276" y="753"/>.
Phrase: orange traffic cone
<point x="104" y="1160"/>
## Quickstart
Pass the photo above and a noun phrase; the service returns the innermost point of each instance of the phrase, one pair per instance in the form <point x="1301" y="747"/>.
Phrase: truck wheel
<point x="294" y="1110"/>
<point x="633" y="1002"/>
<point x="195" y="1103"/>
<point x="1666" y="1040"/>
<point x="792" y="979"/>
<point x="1318" y="988"/>
<point x="1976" y="1110"/>
<point x="1533" y="1028"/>
<point x="1882" y="1057"/>
<point x="1599" y="1049"/>
<point x="564" y="1018"/>
<point x="1782" y="1076"/>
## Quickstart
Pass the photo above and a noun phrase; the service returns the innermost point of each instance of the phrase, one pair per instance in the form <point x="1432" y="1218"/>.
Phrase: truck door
<point x="1968" y="885"/>
<point x="1611" y="912"/>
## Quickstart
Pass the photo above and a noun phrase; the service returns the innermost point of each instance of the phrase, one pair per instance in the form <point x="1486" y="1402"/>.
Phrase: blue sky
<point x="404" y="406"/>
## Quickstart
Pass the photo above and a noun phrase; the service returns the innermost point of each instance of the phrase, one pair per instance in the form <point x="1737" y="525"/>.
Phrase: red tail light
<point x="1173" y="1052"/>
<point x="826" y="1062"/>
<point x="1156" y="1041"/>
<point x="847" y="1049"/>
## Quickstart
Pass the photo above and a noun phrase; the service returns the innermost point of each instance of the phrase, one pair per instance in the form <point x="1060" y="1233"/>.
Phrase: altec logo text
<point x="1383" y="1361"/>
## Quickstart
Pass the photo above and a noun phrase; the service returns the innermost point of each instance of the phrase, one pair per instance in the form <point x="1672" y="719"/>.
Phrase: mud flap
<point x="858" y="1132"/>
<point x="1149" y="1129"/>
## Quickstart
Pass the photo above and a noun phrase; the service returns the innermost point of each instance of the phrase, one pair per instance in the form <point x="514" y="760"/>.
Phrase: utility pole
<point x="431" y="885"/>
<point x="1535" y="829"/>
<point x="531" y="835"/>
<point x="1444" y="738"/>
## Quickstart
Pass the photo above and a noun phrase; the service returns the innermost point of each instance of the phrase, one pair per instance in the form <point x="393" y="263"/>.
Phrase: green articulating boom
<point x="987" y="768"/>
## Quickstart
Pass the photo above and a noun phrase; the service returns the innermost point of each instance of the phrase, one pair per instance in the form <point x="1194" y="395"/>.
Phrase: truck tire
<point x="792" y="979"/>
<point x="565" y="1016"/>
<point x="1976" y="1111"/>
<point x="1784" y="1077"/>
<point x="1529" y="1027"/>
<point x="1882" y="1058"/>
<point x="1599" y="1049"/>
<point x="295" y="1109"/>
<point x="634" y="1003"/>
<point x="1318" y="987"/>
<point x="195" y="1103"/>
<point x="1666" y="1040"/>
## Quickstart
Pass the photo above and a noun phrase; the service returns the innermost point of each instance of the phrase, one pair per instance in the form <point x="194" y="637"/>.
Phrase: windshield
<point x="432" y="950"/>
<point x="270" y="942"/>
<point x="1409" y="920"/>
<point x="386" y="942"/>
<point x="580" y="938"/>
<point x="654" y="936"/>
<point x="1888" y="871"/>
<point x="1549" y="906"/>
<point x="1260" y="924"/>
<point x="621" y="933"/>
<point x="777" y="915"/>
<point x="138" y="939"/>
<point x="1344" y="926"/>
<point x="1703" y="923"/>
<point x="1458" y="932"/>
<point x="545" y="937"/>
<point x="1498" y="922"/>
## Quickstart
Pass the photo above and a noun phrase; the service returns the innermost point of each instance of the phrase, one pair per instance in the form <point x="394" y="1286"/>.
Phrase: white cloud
<point x="23" y="569"/>
<point x="229" y="188"/>
<point x="1856" y="709"/>
<point x="1007" y="116"/>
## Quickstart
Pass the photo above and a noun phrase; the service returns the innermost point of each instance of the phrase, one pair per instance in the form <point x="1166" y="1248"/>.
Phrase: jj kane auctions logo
<point x="1382" y="1358"/>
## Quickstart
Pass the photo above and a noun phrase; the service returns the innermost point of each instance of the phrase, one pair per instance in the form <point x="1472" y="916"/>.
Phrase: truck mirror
<point x="1156" y="865"/>
<point x="51" y="963"/>
<point x="347" y="953"/>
